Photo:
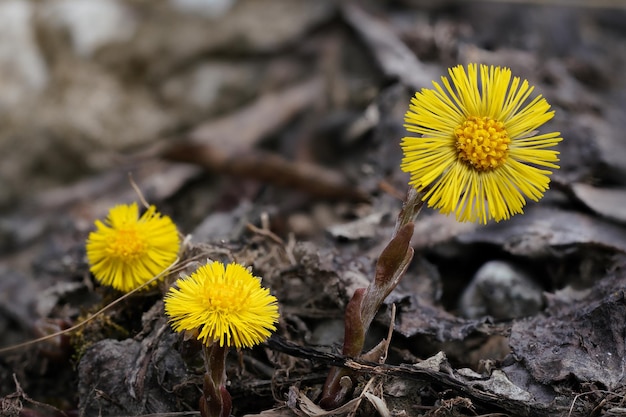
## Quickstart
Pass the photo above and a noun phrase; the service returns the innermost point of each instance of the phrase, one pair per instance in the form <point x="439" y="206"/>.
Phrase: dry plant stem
<point x="270" y="168"/>
<point x="360" y="311"/>
<point x="215" y="400"/>
<point x="77" y="326"/>
<point x="411" y="207"/>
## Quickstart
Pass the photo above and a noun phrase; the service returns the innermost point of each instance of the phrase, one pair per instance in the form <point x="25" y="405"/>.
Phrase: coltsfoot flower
<point x="125" y="251"/>
<point x="478" y="154"/>
<point x="222" y="303"/>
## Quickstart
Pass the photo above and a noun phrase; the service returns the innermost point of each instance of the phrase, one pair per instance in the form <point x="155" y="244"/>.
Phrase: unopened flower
<point x="222" y="303"/>
<point x="478" y="154"/>
<point x="126" y="250"/>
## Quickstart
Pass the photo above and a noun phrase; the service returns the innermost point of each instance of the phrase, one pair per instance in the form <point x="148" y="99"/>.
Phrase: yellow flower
<point x="478" y="155"/>
<point x="222" y="303"/>
<point x="126" y="250"/>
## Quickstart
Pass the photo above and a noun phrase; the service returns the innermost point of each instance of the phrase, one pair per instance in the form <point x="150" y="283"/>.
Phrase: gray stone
<point x="90" y="24"/>
<point x="23" y="71"/>
<point x="502" y="291"/>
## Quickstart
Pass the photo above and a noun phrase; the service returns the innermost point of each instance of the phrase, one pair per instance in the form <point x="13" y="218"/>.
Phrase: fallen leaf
<point x="583" y="339"/>
<point x="607" y="202"/>
<point x="395" y="59"/>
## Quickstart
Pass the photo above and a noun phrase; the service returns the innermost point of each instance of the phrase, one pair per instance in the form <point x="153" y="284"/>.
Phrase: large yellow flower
<point x="225" y="304"/>
<point x="477" y="154"/>
<point x="126" y="250"/>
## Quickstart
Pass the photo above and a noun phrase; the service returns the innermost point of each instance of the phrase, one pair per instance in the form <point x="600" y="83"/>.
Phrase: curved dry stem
<point x="90" y="318"/>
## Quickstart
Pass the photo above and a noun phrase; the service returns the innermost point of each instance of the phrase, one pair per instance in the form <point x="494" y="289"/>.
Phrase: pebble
<point x="502" y="291"/>
<point x="23" y="71"/>
<point x="91" y="24"/>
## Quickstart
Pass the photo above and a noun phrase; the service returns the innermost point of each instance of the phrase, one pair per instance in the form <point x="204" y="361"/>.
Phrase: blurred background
<point x="83" y="82"/>
<point x="229" y="112"/>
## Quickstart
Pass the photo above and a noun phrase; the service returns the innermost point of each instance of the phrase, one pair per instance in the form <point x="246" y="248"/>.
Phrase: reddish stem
<point x="215" y="400"/>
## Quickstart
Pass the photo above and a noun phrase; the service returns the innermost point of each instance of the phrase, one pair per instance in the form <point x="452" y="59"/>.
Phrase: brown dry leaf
<point x="607" y="202"/>
<point x="581" y="338"/>
<point x="543" y="231"/>
<point x="243" y="129"/>
<point x="395" y="59"/>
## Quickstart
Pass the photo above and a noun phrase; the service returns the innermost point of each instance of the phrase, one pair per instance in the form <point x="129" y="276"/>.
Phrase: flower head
<point x="223" y="303"/>
<point x="478" y="154"/>
<point x="126" y="250"/>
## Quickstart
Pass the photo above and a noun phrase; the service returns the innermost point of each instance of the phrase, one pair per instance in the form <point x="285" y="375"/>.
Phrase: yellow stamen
<point x="127" y="250"/>
<point x="222" y="304"/>
<point x="127" y="244"/>
<point x="482" y="142"/>
<point x="226" y="298"/>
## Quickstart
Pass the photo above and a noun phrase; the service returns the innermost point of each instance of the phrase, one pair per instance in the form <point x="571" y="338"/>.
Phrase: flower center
<point x="482" y="142"/>
<point x="127" y="244"/>
<point x="225" y="298"/>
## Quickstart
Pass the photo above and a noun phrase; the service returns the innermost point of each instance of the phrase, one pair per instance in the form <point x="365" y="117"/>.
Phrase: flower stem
<point x="215" y="400"/>
<point x="365" y="303"/>
<point x="411" y="207"/>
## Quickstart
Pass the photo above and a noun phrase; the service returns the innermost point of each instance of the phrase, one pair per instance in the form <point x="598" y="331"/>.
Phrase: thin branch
<point x="90" y="318"/>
